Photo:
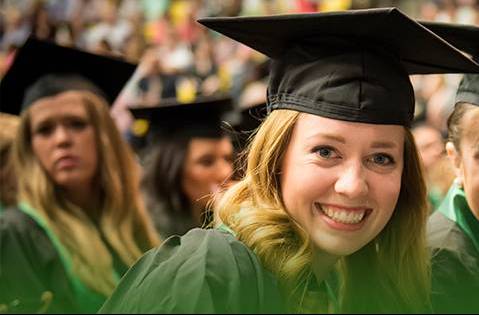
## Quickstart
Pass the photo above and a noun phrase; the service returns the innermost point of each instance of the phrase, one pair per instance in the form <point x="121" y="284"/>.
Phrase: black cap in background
<point x="348" y="65"/>
<point x="466" y="38"/>
<point x="201" y="118"/>
<point x="38" y="59"/>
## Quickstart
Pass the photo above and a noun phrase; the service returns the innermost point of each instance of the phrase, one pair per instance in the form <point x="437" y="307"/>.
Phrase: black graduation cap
<point x="462" y="36"/>
<point x="466" y="38"/>
<point x="348" y="65"/>
<point x="201" y="118"/>
<point x="37" y="59"/>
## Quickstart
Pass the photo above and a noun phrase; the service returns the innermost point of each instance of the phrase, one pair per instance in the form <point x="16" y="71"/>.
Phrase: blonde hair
<point x="122" y="217"/>
<point x="397" y="260"/>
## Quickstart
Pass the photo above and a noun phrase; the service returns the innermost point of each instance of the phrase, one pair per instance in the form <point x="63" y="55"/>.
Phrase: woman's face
<point x="208" y="164"/>
<point x="340" y="181"/>
<point x="63" y="140"/>
<point x="466" y="162"/>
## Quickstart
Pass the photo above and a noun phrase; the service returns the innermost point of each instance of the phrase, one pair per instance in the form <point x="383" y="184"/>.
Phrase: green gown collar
<point x="329" y="290"/>
<point x="455" y="208"/>
<point x="89" y="301"/>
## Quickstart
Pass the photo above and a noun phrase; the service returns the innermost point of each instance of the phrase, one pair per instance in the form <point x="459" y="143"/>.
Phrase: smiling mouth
<point x="342" y="215"/>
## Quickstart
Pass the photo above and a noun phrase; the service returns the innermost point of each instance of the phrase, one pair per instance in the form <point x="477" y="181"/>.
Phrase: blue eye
<point x="324" y="152"/>
<point x="382" y="159"/>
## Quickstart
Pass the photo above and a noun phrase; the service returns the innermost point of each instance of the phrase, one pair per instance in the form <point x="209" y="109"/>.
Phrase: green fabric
<point x="329" y="288"/>
<point x="435" y="198"/>
<point x="203" y="271"/>
<point x="88" y="299"/>
<point x="455" y="208"/>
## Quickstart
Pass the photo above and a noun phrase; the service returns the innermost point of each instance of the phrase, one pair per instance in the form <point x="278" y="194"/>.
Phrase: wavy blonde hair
<point x="397" y="261"/>
<point x="122" y="217"/>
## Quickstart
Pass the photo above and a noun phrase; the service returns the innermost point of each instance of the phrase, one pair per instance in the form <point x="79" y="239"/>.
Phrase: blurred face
<point x="341" y="180"/>
<point x="430" y="145"/>
<point x="63" y="140"/>
<point x="466" y="160"/>
<point x="208" y="164"/>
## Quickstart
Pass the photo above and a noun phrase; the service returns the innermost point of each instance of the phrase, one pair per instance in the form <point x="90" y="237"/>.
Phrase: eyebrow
<point x="374" y="145"/>
<point x="383" y="145"/>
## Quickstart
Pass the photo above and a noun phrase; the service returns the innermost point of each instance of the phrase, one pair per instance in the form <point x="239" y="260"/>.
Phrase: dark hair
<point x="454" y="126"/>
<point x="161" y="184"/>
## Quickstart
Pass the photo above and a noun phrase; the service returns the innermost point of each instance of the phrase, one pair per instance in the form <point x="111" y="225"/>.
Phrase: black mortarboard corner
<point x="201" y="118"/>
<point x="51" y="63"/>
<point x="348" y="65"/>
<point x="466" y="38"/>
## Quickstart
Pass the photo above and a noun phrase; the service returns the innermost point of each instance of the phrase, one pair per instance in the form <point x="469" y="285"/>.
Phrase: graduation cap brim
<point x="202" y="118"/>
<point x="462" y="36"/>
<point x="171" y="108"/>
<point x="37" y="58"/>
<point x="419" y="49"/>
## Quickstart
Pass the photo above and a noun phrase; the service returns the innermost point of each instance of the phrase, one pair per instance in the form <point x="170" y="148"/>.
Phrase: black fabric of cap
<point x="466" y="38"/>
<point x="38" y="59"/>
<point x="201" y="118"/>
<point x="348" y="65"/>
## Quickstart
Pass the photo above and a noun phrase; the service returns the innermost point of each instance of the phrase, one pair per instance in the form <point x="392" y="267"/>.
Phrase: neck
<point x="85" y="197"/>
<point x="322" y="264"/>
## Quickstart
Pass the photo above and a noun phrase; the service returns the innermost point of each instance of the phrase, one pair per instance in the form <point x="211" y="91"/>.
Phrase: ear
<point x="455" y="159"/>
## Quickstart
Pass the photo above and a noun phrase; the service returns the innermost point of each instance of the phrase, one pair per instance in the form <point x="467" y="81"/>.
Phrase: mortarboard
<point x="466" y="38"/>
<point x="81" y="70"/>
<point x="201" y="118"/>
<point x="348" y="65"/>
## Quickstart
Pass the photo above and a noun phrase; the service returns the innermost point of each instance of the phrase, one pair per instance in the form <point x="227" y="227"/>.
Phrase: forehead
<point x="57" y="107"/>
<point x="199" y="145"/>
<point x="309" y="126"/>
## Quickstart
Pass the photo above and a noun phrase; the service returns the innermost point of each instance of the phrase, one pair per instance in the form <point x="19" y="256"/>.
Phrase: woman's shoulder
<point x="452" y="250"/>
<point x="445" y="235"/>
<point x="201" y="271"/>
<point x="13" y="220"/>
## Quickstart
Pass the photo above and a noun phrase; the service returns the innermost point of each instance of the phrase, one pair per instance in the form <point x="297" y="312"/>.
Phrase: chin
<point x="337" y="247"/>
<point x="69" y="181"/>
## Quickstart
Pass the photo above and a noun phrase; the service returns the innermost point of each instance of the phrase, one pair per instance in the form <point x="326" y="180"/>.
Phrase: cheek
<point x="471" y="185"/>
<point x="195" y="181"/>
<point x="41" y="150"/>
<point x="301" y="187"/>
<point x="385" y="190"/>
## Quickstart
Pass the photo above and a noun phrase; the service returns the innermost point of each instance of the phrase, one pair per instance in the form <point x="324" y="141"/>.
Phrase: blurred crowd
<point x="179" y="58"/>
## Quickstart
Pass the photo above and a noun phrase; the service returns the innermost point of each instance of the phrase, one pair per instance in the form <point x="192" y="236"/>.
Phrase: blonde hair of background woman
<point x="392" y="271"/>
<point x="122" y="216"/>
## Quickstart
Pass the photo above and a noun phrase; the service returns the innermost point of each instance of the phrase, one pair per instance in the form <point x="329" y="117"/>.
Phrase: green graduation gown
<point x="204" y="271"/>
<point x="34" y="264"/>
<point x="453" y="236"/>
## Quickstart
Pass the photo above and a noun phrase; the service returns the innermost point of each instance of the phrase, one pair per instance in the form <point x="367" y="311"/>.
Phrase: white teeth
<point x="343" y="216"/>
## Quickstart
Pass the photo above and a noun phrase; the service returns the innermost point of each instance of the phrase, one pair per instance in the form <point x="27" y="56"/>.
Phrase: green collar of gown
<point x="89" y="301"/>
<point x="329" y="290"/>
<point x="455" y="208"/>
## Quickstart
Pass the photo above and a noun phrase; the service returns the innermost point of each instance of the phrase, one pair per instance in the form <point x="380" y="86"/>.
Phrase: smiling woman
<point x="330" y="215"/>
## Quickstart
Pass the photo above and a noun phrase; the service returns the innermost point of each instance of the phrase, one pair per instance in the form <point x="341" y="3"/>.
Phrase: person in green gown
<point x="79" y="222"/>
<point x="453" y="231"/>
<point x="331" y="213"/>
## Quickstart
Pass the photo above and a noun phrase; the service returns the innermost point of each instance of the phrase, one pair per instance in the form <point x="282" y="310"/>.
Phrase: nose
<point x="352" y="182"/>
<point x="62" y="136"/>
